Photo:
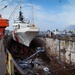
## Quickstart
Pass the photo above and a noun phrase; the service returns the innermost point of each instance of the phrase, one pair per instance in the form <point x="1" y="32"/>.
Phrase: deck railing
<point x="11" y="63"/>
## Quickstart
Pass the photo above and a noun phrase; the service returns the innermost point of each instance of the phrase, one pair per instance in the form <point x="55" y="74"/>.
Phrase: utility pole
<point x="59" y="51"/>
<point x="70" y="51"/>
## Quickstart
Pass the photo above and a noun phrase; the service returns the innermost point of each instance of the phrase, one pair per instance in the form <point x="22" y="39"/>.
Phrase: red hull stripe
<point x="16" y="38"/>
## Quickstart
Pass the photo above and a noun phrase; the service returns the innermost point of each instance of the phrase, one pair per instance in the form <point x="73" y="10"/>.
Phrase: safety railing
<point x="11" y="63"/>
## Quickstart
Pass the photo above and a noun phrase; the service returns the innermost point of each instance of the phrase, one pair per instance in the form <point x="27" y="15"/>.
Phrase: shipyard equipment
<point x="3" y="24"/>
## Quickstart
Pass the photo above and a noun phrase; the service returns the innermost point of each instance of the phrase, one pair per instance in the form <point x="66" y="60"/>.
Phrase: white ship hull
<point x="25" y="35"/>
<point x="23" y="31"/>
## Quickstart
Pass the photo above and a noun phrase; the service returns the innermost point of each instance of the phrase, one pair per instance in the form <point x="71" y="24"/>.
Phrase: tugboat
<point x="23" y="31"/>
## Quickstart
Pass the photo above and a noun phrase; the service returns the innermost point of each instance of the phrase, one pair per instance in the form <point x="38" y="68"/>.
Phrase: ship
<point x="23" y="31"/>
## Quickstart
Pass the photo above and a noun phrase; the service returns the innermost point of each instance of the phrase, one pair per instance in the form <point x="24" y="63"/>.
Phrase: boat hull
<point x="25" y="36"/>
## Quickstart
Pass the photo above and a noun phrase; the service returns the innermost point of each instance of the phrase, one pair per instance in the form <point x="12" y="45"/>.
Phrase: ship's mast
<point x="20" y="15"/>
<point x="32" y="15"/>
<point x="21" y="1"/>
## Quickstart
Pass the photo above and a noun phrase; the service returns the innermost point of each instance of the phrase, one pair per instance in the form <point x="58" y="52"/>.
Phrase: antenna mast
<point x="32" y="15"/>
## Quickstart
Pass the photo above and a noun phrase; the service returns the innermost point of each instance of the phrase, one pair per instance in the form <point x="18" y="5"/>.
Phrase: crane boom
<point x="15" y="10"/>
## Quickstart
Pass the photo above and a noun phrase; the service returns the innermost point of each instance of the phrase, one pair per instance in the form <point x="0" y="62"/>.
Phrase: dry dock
<point x="50" y="57"/>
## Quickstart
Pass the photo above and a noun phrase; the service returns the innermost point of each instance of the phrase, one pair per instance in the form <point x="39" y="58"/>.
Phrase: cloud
<point x="43" y="18"/>
<point x="69" y="12"/>
<point x="60" y="19"/>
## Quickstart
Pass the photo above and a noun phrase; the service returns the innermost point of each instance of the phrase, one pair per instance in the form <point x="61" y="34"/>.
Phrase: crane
<point x="15" y="9"/>
<point x="6" y="6"/>
<point x="5" y="22"/>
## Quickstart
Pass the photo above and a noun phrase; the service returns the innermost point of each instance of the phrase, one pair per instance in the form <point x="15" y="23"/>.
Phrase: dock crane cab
<point x="3" y="24"/>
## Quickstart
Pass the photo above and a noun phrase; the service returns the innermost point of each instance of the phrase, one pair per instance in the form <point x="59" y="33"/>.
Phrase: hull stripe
<point x="16" y="38"/>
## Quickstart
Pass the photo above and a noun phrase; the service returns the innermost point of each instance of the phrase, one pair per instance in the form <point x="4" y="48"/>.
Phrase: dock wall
<point x="61" y="50"/>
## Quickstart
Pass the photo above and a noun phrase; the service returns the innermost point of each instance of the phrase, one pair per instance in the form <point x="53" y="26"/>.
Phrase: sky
<point x="48" y="14"/>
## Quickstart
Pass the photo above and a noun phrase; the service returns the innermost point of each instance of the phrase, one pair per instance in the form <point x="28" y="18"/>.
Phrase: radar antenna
<point x="20" y="15"/>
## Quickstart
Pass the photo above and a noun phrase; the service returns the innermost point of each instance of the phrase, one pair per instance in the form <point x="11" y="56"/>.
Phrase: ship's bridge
<point x="21" y="24"/>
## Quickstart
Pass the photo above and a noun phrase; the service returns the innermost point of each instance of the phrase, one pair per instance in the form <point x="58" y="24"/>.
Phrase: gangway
<point x="11" y="63"/>
<point x="7" y="66"/>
